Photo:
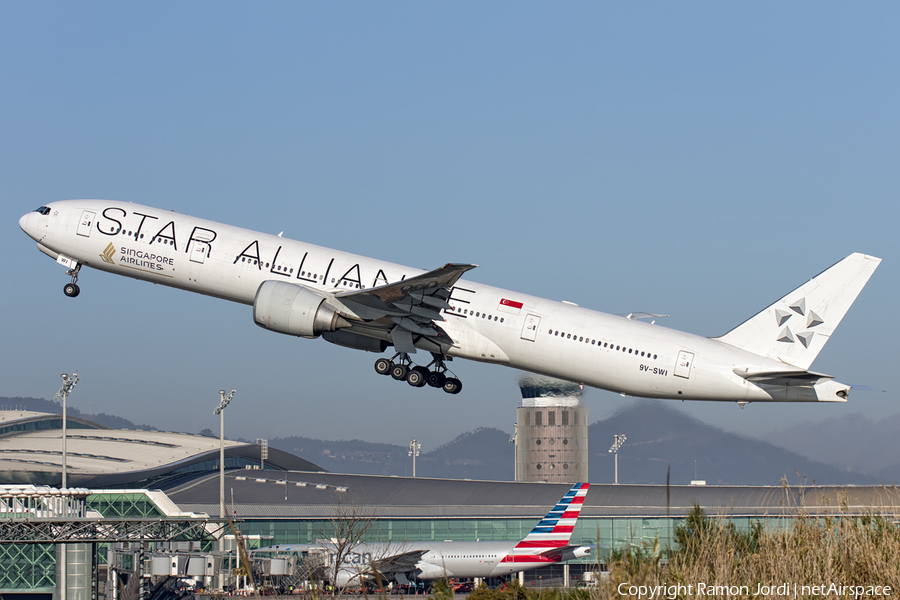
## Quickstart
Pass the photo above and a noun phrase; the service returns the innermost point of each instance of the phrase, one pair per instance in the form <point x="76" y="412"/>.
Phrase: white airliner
<point x="546" y="544"/>
<point x="367" y="304"/>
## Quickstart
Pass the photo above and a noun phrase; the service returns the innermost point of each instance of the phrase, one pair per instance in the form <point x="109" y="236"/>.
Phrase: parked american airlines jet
<point x="546" y="544"/>
<point x="367" y="304"/>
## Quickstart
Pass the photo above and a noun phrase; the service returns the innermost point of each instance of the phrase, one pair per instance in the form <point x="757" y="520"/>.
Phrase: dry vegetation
<point x="860" y="552"/>
<point x="809" y="550"/>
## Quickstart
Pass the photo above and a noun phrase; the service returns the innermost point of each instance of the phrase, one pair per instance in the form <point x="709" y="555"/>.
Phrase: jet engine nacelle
<point x="346" y="577"/>
<point x="430" y="571"/>
<point x="294" y="310"/>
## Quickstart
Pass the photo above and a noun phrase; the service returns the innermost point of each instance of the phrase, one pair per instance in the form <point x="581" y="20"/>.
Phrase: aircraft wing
<point x="398" y="563"/>
<point x="408" y="307"/>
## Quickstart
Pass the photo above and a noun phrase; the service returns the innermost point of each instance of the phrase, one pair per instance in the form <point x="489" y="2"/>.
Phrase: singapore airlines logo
<point x="108" y="254"/>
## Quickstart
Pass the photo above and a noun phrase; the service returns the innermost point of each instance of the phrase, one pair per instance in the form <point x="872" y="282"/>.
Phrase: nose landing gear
<point x="71" y="289"/>
<point x="419" y="376"/>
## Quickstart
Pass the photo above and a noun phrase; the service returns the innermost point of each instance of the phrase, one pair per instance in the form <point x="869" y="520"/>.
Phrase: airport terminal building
<point x="155" y="475"/>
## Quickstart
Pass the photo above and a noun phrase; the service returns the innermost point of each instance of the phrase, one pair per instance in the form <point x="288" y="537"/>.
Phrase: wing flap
<point x="435" y="301"/>
<point x="558" y="551"/>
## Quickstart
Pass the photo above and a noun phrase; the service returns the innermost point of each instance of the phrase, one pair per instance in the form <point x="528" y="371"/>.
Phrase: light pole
<point x="619" y="441"/>
<point x="414" y="447"/>
<point x="220" y="410"/>
<point x="69" y="382"/>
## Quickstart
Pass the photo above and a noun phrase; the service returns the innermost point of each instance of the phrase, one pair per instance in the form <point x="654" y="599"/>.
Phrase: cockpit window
<point x="43" y="210"/>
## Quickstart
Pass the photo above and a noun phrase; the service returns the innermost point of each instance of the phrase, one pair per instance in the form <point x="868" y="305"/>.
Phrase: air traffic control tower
<point x="551" y="432"/>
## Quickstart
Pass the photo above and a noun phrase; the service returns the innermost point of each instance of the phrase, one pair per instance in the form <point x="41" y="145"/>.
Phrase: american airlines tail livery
<point x="546" y="544"/>
<point x="367" y="304"/>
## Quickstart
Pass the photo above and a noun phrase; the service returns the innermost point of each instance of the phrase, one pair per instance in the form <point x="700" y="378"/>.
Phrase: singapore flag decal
<point x="509" y="306"/>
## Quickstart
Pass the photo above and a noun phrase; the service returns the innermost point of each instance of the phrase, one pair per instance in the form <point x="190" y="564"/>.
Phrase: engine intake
<point x="294" y="310"/>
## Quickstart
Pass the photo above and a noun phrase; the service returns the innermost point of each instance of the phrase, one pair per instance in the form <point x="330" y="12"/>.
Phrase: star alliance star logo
<point x="797" y="307"/>
<point x="108" y="254"/>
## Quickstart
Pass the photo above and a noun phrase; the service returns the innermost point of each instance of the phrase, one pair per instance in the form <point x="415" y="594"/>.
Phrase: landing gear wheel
<point x="383" y="366"/>
<point x="416" y="377"/>
<point x="435" y="379"/>
<point x="452" y="385"/>
<point x="400" y="372"/>
<point x="71" y="289"/>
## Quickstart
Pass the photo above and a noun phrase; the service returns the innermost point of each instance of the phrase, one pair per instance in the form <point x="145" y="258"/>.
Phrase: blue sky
<point x="696" y="159"/>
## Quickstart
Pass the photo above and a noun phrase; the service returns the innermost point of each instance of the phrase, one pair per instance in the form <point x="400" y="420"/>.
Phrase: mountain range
<point x="660" y="438"/>
<point x="662" y="442"/>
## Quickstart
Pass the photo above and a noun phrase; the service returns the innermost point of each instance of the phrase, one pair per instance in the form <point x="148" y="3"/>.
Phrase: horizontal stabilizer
<point x="783" y="377"/>
<point x="797" y="386"/>
<point x="794" y="329"/>
<point x="574" y="550"/>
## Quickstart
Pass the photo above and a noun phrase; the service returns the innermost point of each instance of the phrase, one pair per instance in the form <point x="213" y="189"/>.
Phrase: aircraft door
<point x="199" y="250"/>
<point x="84" y="226"/>
<point x="530" y="328"/>
<point x="683" y="364"/>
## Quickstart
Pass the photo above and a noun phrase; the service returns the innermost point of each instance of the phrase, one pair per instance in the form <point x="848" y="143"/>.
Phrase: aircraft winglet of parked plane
<point x="547" y="543"/>
<point x="367" y="304"/>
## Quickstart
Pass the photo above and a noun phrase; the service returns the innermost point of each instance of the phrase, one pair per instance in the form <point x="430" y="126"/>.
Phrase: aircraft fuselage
<point x="486" y="323"/>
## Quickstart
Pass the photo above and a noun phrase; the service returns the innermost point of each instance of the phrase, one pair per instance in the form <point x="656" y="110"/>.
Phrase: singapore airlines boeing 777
<point x="367" y="304"/>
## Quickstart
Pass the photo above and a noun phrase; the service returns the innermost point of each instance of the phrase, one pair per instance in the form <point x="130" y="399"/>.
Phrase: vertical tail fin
<point x="555" y="529"/>
<point x="794" y="329"/>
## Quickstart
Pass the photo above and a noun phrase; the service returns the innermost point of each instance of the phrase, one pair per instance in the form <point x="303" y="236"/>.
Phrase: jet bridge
<point x="54" y="534"/>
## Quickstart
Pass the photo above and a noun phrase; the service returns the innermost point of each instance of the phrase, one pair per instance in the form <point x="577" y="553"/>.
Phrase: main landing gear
<point x="71" y="289"/>
<point x="419" y="376"/>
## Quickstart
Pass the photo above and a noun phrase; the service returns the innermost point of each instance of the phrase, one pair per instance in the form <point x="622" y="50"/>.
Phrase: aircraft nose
<point x="26" y="224"/>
